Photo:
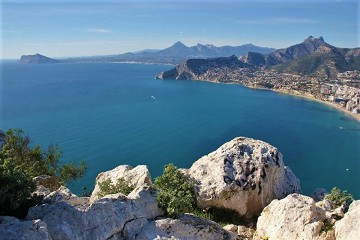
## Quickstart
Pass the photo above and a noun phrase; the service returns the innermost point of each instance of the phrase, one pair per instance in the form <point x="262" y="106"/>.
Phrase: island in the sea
<point x="37" y="59"/>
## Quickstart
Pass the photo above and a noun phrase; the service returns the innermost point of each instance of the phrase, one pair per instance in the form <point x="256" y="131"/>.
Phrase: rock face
<point x="138" y="176"/>
<point x="348" y="228"/>
<point x="112" y="217"/>
<point x="186" y="227"/>
<point x="244" y="175"/>
<point x="37" y="59"/>
<point x="12" y="229"/>
<point x="294" y="217"/>
<point x="49" y="182"/>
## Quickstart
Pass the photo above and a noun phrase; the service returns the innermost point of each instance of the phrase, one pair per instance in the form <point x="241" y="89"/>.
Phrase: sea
<point x="111" y="114"/>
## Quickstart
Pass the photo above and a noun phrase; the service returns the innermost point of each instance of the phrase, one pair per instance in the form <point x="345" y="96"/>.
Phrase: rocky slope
<point x="243" y="174"/>
<point x="37" y="59"/>
<point x="312" y="56"/>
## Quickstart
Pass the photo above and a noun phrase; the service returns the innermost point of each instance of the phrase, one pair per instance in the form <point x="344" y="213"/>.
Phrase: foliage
<point x="339" y="198"/>
<point x="327" y="226"/>
<point x="20" y="163"/>
<point x="85" y="192"/>
<point x="222" y="216"/>
<point x="176" y="192"/>
<point x="16" y="153"/>
<point x="122" y="186"/>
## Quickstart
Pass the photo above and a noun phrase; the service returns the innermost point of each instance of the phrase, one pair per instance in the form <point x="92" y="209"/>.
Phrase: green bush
<point x="176" y="193"/>
<point x="20" y="163"/>
<point x="122" y="186"/>
<point x="339" y="198"/>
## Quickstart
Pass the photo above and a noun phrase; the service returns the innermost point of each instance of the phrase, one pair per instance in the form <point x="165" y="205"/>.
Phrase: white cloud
<point x="98" y="30"/>
<point x="277" y="21"/>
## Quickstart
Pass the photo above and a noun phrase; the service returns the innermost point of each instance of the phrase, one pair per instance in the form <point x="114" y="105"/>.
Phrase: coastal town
<point x="342" y="92"/>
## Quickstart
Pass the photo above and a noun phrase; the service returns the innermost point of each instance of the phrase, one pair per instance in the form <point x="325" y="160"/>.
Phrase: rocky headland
<point x="245" y="175"/>
<point x="312" y="69"/>
<point x="37" y="59"/>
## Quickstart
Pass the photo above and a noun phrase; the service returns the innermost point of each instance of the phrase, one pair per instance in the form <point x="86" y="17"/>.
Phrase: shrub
<point x="222" y="216"/>
<point x="20" y="163"/>
<point x="121" y="186"/>
<point x="339" y="198"/>
<point x="176" y="193"/>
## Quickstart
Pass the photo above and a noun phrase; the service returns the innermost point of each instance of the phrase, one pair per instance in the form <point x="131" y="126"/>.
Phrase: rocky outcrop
<point x="138" y="176"/>
<point x="294" y="217"/>
<point x="186" y="227"/>
<point x="244" y="175"/>
<point x="112" y="217"/>
<point x="348" y="228"/>
<point x="13" y="229"/>
<point x="50" y="182"/>
<point x="37" y="59"/>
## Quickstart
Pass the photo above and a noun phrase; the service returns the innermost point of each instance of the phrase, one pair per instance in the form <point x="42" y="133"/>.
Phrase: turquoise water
<point x="112" y="114"/>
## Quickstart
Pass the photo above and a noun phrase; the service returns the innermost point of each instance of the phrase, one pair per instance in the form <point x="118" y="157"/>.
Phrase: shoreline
<point x="354" y="116"/>
<point x="311" y="98"/>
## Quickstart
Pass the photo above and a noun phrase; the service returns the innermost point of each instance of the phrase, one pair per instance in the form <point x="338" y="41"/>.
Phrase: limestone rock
<point x="245" y="232"/>
<point x="138" y="176"/>
<point x="187" y="227"/>
<point x="112" y="217"/>
<point x="349" y="227"/>
<point x="244" y="175"/>
<point x="13" y="229"/>
<point x="294" y="217"/>
<point x="50" y="182"/>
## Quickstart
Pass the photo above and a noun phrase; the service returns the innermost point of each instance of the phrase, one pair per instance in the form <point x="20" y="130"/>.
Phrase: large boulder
<point x="138" y="176"/>
<point x="188" y="226"/>
<point x="244" y="175"/>
<point x="13" y="229"/>
<point x="348" y="228"/>
<point x="112" y="217"/>
<point x="294" y="217"/>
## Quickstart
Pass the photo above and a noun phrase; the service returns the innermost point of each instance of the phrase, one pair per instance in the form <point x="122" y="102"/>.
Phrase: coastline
<point x="298" y="94"/>
<point x="310" y="97"/>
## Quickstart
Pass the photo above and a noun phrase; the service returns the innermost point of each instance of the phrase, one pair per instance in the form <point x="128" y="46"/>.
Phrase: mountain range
<point x="311" y="57"/>
<point x="174" y="54"/>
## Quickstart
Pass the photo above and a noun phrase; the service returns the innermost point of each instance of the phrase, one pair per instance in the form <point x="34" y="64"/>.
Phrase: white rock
<point x="112" y="217"/>
<point x="348" y="228"/>
<point x="13" y="229"/>
<point x="187" y="227"/>
<point x="294" y="217"/>
<point x="244" y="175"/>
<point x="138" y="176"/>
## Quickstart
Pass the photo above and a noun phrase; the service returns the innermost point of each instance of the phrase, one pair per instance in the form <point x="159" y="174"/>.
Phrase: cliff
<point x="313" y="56"/>
<point x="246" y="175"/>
<point x="37" y="59"/>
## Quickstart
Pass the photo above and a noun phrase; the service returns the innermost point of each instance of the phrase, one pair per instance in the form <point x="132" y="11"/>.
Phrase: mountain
<point x="311" y="57"/>
<point x="178" y="53"/>
<point x="37" y="59"/>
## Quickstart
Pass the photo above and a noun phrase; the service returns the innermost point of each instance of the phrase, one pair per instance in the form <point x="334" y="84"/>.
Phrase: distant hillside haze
<point x="174" y="54"/>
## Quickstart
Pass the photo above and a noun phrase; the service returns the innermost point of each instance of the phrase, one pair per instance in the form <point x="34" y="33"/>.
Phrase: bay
<point x="112" y="114"/>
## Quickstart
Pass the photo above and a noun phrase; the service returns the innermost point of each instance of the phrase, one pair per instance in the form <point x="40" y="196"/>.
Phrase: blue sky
<point x="75" y="28"/>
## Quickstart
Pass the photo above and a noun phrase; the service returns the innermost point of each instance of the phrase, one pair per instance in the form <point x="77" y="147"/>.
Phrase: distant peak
<point x="311" y="39"/>
<point x="179" y="44"/>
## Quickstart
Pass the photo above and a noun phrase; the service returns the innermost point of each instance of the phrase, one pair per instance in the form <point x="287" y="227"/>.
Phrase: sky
<point x="86" y="28"/>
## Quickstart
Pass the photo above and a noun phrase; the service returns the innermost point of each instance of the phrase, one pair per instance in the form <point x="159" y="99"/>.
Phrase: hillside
<point x="311" y="57"/>
<point x="177" y="53"/>
<point x="37" y="59"/>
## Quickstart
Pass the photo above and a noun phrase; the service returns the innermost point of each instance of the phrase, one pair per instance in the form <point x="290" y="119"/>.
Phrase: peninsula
<point x="312" y="69"/>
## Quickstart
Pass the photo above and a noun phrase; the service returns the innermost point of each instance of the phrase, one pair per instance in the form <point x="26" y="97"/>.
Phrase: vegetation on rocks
<point x="339" y="198"/>
<point x="121" y="186"/>
<point x="176" y="192"/>
<point x="20" y="163"/>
